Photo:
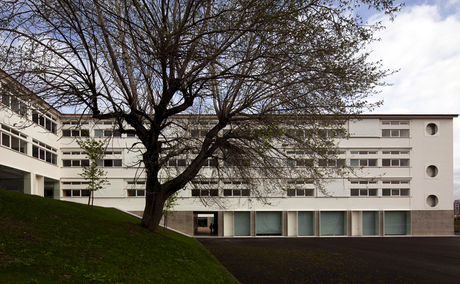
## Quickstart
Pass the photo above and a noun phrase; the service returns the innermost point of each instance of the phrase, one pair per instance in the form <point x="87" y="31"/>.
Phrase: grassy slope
<point x="50" y="241"/>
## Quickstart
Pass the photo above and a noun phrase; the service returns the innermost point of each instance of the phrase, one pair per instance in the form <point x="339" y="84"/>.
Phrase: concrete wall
<point x="432" y="223"/>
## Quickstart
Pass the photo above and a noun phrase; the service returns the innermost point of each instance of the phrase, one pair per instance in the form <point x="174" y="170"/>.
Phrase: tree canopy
<point x="224" y="81"/>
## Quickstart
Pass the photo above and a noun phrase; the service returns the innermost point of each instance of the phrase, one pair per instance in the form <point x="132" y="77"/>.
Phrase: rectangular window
<point x="370" y="223"/>
<point x="98" y="133"/>
<point x="5" y="140"/>
<point x="300" y="192"/>
<point x="333" y="223"/>
<point x="397" y="222"/>
<point x="395" y="132"/>
<point x="242" y="223"/>
<point x="395" y="162"/>
<point x="363" y="162"/>
<point x="363" y="192"/>
<point x="6" y="100"/>
<point x="306" y="223"/>
<point x="269" y="223"/>
<point x="395" y="192"/>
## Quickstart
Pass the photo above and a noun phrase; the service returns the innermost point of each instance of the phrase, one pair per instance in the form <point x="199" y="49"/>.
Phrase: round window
<point x="431" y="129"/>
<point x="431" y="171"/>
<point x="432" y="200"/>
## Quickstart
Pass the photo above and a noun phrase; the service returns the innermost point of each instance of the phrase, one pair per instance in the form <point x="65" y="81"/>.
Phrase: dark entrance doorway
<point x="203" y="222"/>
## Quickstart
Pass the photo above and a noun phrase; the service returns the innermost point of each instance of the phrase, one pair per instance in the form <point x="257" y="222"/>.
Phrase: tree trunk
<point x="153" y="212"/>
<point x="89" y="200"/>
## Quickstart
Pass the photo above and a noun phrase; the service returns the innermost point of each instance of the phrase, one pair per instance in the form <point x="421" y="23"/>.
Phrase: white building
<point x="404" y="184"/>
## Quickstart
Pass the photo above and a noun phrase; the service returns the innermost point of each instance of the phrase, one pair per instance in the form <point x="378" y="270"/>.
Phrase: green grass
<point x="50" y="241"/>
<point x="457" y="225"/>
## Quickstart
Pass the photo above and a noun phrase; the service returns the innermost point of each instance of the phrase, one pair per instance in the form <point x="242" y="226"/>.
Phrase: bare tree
<point x="221" y="82"/>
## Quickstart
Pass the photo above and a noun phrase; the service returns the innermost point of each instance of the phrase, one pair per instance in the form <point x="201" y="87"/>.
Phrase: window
<point x="363" y="162"/>
<point x="331" y="163"/>
<point x="363" y="152"/>
<point x="363" y="192"/>
<point x="98" y="133"/>
<point x="395" y="182"/>
<point x="13" y="141"/>
<point x="387" y="122"/>
<point x="236" y="192"/>
<point x="395" y="192"/>
<point x="363" y="182"/>
<point x="177" y="163"/>
<point x="75" y="192"/>
<point x="75" y="133"/>
<point x="45" y="120"/>
<point x="431" y="129"/>
<point x="300" y="192"/>
<point x="395" y="152"/>
<point x="395" y="162"/>
<point x="138" y="182"/>
<point x="205" y="192"/>
<point x="136" y="192"/>
<point x="395" y="133"/>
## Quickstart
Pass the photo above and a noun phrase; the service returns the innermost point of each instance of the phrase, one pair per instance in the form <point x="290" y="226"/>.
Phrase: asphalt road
<point x="339" y="259"/>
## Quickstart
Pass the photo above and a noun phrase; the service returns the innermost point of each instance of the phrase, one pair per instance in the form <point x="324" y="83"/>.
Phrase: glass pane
<point x="268" y="223"/>
<point x="404" y="133"/>
<point x="395" y="223"/>
<point x="98" y="133"/>
<point x="67" y="192"/>
<point x="386" y="133"/>
<point x="333" y="223"/>
<point x="394" y="133"/>
<point x="34" y="151"/>
<point x="386" y="192"/>
<point x="404" y="163"/>
<point x="373" y="163"/>
<point x="14" y="143"/>
<point x="5" y="140"/>
<point x="242" y="223"/>
<point x="354" y="163"/>
<point x="370" y="223"/>
<point x="131" y="192"/>
<point x="140" y="192"/>
<point x="386" y="163"/>
<point x="306" y="223"/>
<point x="76" y="192"/>
<point x="354" y="192"/>
<point x="227" y="192"/>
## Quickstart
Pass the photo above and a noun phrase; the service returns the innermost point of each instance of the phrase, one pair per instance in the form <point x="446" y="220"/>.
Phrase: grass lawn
<point x="457" y="225"/>
<point x="50" y="241"/>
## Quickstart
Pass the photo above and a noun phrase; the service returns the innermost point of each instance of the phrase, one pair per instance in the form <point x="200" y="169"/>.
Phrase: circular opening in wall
<point x="432" y="200"/>
<point x="431" y="129"/>
<point x="432" y="171"/>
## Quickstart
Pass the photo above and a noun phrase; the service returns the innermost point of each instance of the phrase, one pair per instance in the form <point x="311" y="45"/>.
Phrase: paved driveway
<point x="339" y="260"/>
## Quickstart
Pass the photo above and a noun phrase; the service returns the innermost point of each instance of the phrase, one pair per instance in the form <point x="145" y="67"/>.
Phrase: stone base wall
<point x="432" y="223"/>
<point x="181" y="221"/>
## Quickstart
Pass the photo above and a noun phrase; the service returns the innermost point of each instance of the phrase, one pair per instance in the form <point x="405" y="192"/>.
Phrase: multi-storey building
<point x="402" y="185"/>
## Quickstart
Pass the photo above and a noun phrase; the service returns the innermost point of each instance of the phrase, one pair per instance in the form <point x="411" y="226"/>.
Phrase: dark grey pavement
<point x="339" y="259"/>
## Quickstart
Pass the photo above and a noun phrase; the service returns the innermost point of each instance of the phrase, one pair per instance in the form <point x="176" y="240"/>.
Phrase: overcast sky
<point x="423" y="42"/>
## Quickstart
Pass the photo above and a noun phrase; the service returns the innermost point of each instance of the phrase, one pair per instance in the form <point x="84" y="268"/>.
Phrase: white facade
<point x="403" y="183"/>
